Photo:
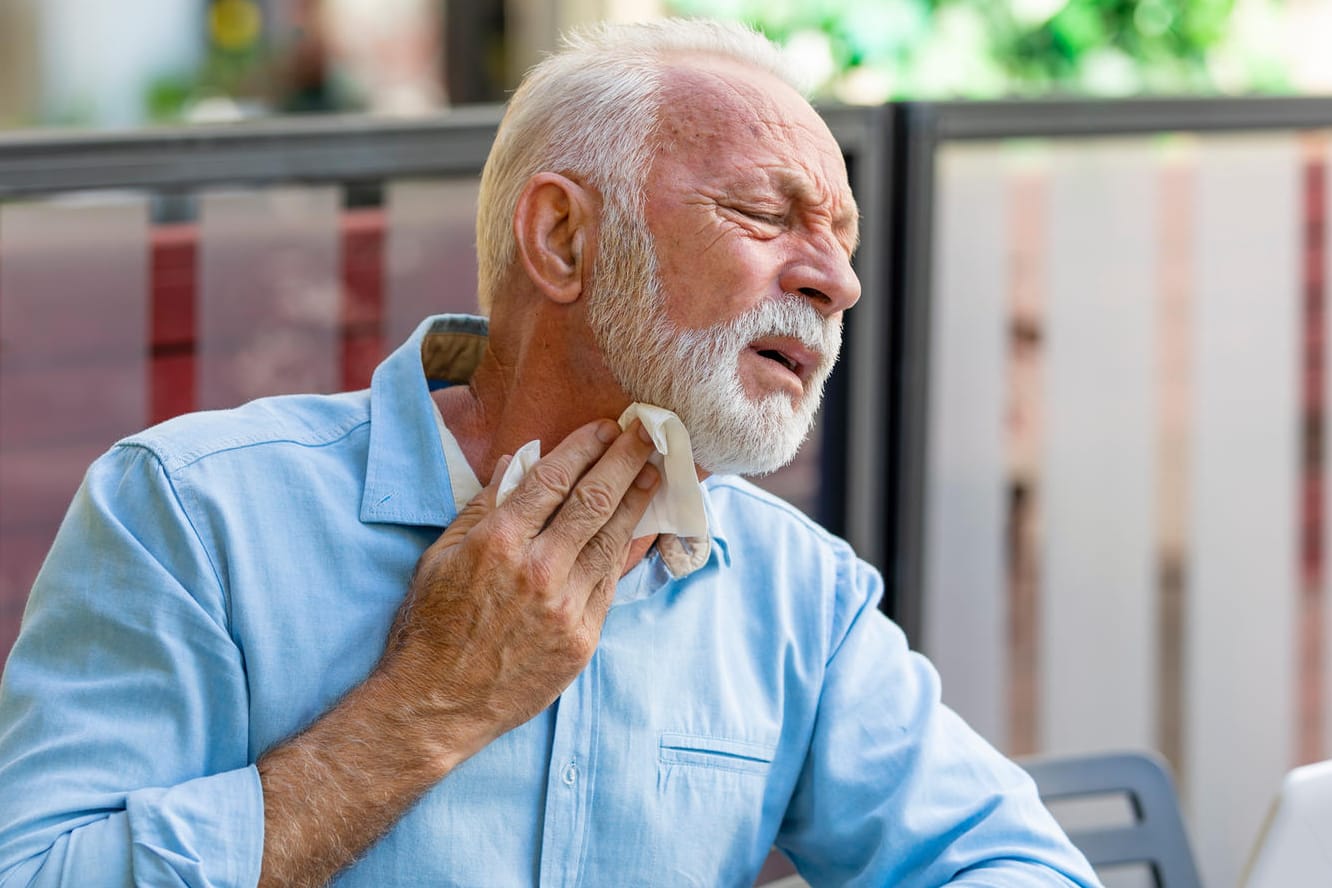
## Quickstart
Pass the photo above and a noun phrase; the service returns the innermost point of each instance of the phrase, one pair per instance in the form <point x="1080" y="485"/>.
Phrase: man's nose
<point x="826" y="279"/>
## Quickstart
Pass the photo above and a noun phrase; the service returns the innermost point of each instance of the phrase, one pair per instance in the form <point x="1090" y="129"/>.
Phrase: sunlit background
<point x="78" y="63"/>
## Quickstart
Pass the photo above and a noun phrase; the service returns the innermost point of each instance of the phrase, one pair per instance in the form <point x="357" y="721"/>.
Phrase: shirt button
<point x="570" y="775"/>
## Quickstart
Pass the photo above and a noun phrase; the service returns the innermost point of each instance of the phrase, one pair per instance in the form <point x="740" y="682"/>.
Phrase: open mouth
<point x="773" y="354"/>
<point x="789" y="353"/>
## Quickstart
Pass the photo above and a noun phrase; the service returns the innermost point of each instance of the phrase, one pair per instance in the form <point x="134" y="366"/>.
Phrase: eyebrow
<point x="799" y="188"/>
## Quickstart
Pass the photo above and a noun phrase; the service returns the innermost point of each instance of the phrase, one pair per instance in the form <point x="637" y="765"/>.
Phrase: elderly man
<point x="252" y="657"/>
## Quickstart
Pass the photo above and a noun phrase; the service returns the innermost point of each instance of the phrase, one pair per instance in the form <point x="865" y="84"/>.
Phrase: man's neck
<point x="504" y="406"/>
<point x="496" y="413"/>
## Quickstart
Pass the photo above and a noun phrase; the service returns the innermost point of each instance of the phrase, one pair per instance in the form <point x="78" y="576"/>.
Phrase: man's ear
<point x="552" y="226"/>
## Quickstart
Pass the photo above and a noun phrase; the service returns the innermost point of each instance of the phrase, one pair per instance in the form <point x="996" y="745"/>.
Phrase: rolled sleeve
<point x="897" y="790"/>
<point x="124" y="754"/>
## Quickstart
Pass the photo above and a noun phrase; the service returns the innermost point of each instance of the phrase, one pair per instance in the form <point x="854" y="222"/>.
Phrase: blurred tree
<point x="474" y="51"/>
<point x="234" y="78"/>
<point x="873" y="50"/>
<point x="18" y="63"/>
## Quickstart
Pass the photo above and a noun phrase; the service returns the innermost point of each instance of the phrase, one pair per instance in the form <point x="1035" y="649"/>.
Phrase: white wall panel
<point x="431" y="250"/>
<point x="1098" y="602"/>
<point x="964" y="598"/>
<point x="269" y="294"/>
<point x="1242" y="584"/>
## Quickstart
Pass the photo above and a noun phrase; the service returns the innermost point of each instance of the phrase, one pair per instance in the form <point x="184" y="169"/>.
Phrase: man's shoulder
<point x="814" y="572"/>
<point x="747" y="510"/>
<point x="302" y="421"/>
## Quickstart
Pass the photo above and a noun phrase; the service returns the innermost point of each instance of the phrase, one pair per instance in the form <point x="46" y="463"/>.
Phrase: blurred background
<point x="134" y="62"/>
<point x="1080" y="424"/>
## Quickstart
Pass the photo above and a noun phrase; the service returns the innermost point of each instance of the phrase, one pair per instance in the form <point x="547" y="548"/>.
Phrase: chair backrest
<point x="1156" y="837"/>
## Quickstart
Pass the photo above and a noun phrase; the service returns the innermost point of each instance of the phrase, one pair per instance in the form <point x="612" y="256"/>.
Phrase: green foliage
<point x="241" y="75"/>
<point x="871" y="50"/>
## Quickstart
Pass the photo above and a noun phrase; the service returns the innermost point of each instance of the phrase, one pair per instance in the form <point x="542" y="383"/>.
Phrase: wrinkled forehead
<point x="725" y="119"/>
<point x="706" y="97"/>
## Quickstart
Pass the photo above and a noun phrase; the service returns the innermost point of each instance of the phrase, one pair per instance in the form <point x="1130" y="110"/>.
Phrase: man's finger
<point x="602" y="558"/>
<point x="478" y="507"/>
<point x="501" y="466"/>
<point x="598" y="494"/>
<point x="548" y="483"/>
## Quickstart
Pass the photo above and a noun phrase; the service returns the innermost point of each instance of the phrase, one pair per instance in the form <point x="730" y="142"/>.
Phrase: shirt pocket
<point x="712" y="793"/>
<point x="716" y="753"/>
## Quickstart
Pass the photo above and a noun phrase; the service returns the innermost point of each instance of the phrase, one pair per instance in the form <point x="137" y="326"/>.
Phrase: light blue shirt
<point x="222" y="579"/>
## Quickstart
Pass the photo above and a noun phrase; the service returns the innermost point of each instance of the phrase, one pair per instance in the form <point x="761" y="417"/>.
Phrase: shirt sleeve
<point x="123" y="732"/>
<point x="897" y="789"/>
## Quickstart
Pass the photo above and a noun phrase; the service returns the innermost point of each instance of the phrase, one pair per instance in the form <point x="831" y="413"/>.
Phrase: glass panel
<point x="269" y="294"/>
<point x="73" y="366"/>
<point x="1312" y="502"/>
<point x="1242" y="582"/>
<point x="1324" y="699"/>
<point x="964" y="601"/>
<point x="1098" y="608"/>
<point x="1174" y="414"/>
<point x="1112" y="541"/>
<point x="431" y="253"/>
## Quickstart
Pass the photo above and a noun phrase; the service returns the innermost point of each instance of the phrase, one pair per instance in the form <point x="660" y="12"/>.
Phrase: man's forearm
<point x="333" y="790"/>
<point x="504" y="610"/>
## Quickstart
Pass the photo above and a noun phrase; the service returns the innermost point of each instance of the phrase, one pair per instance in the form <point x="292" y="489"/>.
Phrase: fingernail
<point x="644" y="435"/>
<point x="607" y="432"/>
<point x="647" y="477"/>
<point x="501" y="465"/>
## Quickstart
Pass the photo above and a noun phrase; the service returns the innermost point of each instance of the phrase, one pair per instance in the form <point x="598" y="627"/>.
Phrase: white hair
<point x="590" y="112"/>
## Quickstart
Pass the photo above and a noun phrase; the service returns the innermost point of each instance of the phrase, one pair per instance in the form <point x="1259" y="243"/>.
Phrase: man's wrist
<point x="434" y="735"/>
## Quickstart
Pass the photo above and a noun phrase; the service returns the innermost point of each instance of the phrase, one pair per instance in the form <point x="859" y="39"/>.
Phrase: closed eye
<point x="765" y="218"/>
<point x="757" y="215"/>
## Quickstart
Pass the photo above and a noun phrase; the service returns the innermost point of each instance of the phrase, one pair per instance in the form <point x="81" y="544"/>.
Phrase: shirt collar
<point x="716" y="528"/>
<point x="407" y="479"/>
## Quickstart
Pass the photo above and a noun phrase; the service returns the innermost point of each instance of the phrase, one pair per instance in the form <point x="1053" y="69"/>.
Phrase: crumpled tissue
<point x="677" y="507"/>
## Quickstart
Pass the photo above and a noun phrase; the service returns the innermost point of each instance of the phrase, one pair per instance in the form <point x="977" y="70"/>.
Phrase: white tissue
<point x="677" y="506"/>
<point x="522" y="462"/>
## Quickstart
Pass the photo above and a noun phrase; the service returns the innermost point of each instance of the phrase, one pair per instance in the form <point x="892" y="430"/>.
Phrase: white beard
<point x="696" y="373"/>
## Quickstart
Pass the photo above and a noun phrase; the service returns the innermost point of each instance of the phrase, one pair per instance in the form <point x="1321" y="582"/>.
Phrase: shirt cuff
<point x="205" y="832"/>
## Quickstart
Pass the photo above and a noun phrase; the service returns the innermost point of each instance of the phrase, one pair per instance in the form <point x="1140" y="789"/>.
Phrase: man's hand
<point x="505" y="609"/>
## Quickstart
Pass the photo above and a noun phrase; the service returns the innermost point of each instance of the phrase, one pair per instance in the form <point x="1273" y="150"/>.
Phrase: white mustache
<point x="792" y="318"/>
